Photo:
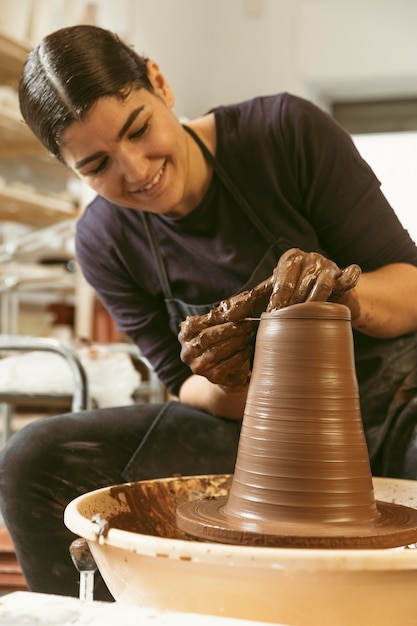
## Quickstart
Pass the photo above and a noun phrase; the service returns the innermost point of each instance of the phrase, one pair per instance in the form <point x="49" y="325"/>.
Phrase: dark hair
<point x="68" y="72"/>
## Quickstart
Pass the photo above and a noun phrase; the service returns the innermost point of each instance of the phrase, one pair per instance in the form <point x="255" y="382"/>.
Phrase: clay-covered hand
<point x="307" y="276"/>
<point x="219" y="345"/>
<point x="220" y="352"/>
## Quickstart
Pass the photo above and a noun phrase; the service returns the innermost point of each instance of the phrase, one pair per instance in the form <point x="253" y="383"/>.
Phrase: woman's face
<point x="134" y="152"/>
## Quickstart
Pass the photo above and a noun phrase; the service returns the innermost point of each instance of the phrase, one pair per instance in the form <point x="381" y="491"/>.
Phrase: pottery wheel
<point x="395" y="526"/>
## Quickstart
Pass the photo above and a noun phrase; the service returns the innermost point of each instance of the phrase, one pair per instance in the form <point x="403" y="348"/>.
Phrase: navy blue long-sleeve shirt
<point x="301" y="173"/>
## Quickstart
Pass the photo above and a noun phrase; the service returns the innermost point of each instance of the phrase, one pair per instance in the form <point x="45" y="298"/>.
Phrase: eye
<point x="141" y="131"/>
<point x="99" y="168"/>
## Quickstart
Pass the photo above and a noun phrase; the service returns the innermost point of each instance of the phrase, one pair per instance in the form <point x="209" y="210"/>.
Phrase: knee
<point x="22" y="456"/>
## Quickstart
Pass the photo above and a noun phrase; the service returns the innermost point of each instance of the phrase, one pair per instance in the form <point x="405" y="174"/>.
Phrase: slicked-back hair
<point x="68" y="72"/>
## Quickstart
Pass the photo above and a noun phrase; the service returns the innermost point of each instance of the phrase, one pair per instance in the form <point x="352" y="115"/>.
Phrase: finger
<point x="286" y="277"/>
<point x="240" y="331"/>
<point x="324" y="285"/>
<point x="219" y="368"/>
<point x="201" y="363"/>
<point x="246" y="303"/>
<point x="227" y="338"/>
<point x="192" y="325"/>
<point x="347" y="280"/>
<point x="215" y="334"/>
<point x="309" y="272"/>
<point x="236" y="308"/>
<point x="232" y="372"/>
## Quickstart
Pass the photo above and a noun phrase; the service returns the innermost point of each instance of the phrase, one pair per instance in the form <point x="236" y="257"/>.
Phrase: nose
<point x="133" y="164"/>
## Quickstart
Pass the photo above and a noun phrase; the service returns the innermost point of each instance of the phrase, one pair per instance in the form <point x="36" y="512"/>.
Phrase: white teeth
<point x="154" y="181"/>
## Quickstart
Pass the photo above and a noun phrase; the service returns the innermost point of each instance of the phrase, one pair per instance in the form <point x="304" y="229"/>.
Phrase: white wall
<point x="219" y="51"/>
<point x="393" y="157"/>
<point x="351" y="48"/>
<point x="253" y="54"/>
<point x="180" y="36"/>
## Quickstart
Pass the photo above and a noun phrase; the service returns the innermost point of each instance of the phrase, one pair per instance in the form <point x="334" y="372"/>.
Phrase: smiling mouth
<point x="154" y="181"/>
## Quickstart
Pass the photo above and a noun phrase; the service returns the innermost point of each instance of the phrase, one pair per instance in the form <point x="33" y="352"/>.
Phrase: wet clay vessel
<point x="302" y="476"/>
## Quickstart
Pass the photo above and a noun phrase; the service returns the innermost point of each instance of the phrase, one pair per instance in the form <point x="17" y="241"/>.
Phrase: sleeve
<point x="136" y="312"/>
<point x="341" y="196"/>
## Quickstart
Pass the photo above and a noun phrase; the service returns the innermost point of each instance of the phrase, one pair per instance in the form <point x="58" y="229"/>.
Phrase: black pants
<point x="50" y="462"/>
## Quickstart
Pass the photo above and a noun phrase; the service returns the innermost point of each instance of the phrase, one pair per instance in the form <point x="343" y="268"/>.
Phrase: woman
<point x="186" y="216"/>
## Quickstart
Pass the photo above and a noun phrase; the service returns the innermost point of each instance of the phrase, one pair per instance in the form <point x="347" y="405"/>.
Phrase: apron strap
<point x="230" y="186"/>
<point x="160" y="265"/>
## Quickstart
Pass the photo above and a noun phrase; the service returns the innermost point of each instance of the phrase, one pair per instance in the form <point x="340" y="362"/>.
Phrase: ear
<point x="159" y="83"/>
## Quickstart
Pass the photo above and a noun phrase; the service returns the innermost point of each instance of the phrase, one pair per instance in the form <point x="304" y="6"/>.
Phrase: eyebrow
<point x="128" y="123"/>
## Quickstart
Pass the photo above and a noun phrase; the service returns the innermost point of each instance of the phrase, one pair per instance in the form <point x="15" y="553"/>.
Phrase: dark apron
<point x="387" y="369"/>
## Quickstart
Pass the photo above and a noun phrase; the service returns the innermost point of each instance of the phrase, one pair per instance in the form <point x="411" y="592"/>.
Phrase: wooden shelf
<point x="15" y="136"/>
<point x="20" y="205"/>
<point x="13" y="55"/>
<point x="33" y="187"/>
<point x="17" y="141"/>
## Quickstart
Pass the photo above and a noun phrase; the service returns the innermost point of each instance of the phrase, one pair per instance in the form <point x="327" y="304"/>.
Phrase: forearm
<point x="384" y="302"/>
<point x="200" y="393"/>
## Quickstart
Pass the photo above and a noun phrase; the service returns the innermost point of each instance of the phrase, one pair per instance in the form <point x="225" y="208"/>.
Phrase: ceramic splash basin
<point x="147" y="560"/>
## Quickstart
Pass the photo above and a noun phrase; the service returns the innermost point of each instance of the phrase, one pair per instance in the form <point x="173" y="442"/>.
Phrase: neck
<point x="200" y="170"/>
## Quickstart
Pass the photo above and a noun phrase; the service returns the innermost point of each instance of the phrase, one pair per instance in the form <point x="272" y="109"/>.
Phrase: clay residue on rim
<point x="151" y="504"/>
